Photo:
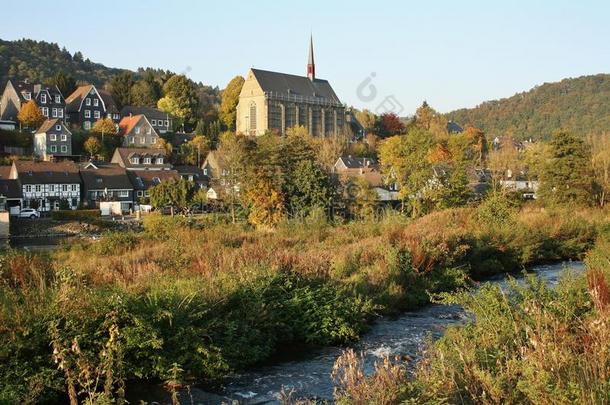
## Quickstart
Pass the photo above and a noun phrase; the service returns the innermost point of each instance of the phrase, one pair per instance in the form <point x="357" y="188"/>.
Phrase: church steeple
<point x="311" y="66"/>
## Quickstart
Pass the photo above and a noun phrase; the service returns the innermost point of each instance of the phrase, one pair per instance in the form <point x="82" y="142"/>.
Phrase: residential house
<point x="88" y="104"/>
<point x="48" y="98"/>
<point x="350" y="169"/>
<point x="10" y="191"/>
<point x="161" y="121"/>
<point x="192" y="173"/>
<point x="141" y="159"/>
<point x="215" y="172"/>
<point x="136" y="130"/>
<point x="52" y="140"/>
<point x="143" y="180"/>
<point x="454" y="128"/>
<point x="106" y="182"/>
<point x="48" y="185"/>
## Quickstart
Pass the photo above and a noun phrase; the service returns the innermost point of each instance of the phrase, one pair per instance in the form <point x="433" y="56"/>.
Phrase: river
<point x="309" y="377"/>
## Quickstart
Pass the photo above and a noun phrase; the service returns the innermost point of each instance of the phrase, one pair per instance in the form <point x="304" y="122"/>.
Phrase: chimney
<point x="311" y="66"/>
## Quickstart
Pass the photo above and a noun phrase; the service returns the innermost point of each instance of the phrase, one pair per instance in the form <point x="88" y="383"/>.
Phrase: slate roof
<point x="30" y="172"/>
<point x="9" y="188"/>
<point x="100" y="176"/>
<point x="454" y="128"/>
<point x="123" y="156"/>
<point x="288" y="85"/>
<point x="353" y="162"/>
<point x="145" y="179"/>
<point x="74" y="100"/>
<point x="48" y="124"/>
<point x="149" y="112"/>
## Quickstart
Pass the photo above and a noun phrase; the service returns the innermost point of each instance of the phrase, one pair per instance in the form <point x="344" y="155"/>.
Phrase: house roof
<point x="123" y="157"/>
<point x="284" y="84"/>
<point x="128" y="123"/>
<point x="100" y="176"/>
<point x="8" y="187"/>
<point x="149" y="112"/>
<point x="74" y="100"/>
<point x="215" y="160"/>
<point x="145" y="179"/>
<point x="354" y="162"/>
<point x="30" y="172"/>
<point x="108" y="101"/>
<point x="454" y="128"/>
<point x="48" y="124"/>
<point x="196" y="171"/>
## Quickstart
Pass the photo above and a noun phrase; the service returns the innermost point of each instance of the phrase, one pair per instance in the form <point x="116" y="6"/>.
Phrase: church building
<point x="279" y="101"/>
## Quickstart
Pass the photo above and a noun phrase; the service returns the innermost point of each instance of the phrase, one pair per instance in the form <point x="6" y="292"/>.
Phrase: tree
<point x="174" y="193"/>
<point x="104" y="126"/>
<point x="600" y="163"/>
<point x="65" y="83"/>
<point x="266" y="205"/>
<point x="503" y="163"/>
<point x="180" y="99"/>
<point x="362" y="199"/>
<point x="30" y="115"/>
<point x="429" y="119"/>
<point x="142" y="93"/>
<point x="93" y="146"/>
<point x="389" y="124"/>
<point x="367" y="119"/>
<point x="121" y="89"/>
<point x="165" y="146"/>
<point x="195" y="150"/>
<point x="233" y="149"/>
<point x="229" y="100"/>
<point x="567" y="178"/>
<point x="307" y="187"/>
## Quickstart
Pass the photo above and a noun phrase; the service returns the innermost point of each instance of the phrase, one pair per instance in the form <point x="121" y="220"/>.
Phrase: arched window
<point x="253" y="115"/>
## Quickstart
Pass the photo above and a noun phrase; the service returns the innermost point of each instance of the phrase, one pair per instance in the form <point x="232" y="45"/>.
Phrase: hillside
<point x="580" y="105"/>
<point x="40" y="60"/>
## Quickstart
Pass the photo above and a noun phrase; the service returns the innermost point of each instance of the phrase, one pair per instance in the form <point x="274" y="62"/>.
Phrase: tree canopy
<point x="229" y="100"/>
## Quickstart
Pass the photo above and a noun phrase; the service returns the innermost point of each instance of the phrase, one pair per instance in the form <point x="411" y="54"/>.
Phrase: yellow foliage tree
<point x="104" y="126"/>
<point x="266" y="205"/>
<point x="30" y="115"/>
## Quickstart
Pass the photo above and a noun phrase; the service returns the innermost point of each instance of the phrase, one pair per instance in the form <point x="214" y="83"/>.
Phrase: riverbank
<point x="191" y="299"/>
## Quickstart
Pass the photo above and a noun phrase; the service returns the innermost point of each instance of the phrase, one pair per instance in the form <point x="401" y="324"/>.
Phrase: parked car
<point x="29" y="213"/>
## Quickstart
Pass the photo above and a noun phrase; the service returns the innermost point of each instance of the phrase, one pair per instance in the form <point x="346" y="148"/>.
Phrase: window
<point x="43" y="98"/>
<point x="64" y="187"/>
<point x="142" y="140"/>
<point x="148" y="131"/>
<point x="52" y="188"/>
<point x="64" y="137"/>
<point x="205" y="171"/>
<point x="58" y="127"/>
<point x="45" y="111"/>
<point x="60" y="113"/>
<point x="167" y="123"/>
<point x="147" y="160"/>
<point x="53" y="148"/>
<point x="116" y="116"/>
<point x="153" y="122"/>
<point x="96" y="114"/>
<point x="253" y="116"/>
<point x="87" y="101"/>
<point x="137" y="130"/>
<point x="154" y="140"/>
<point x="64" y="149"/>
<point x="53" y="137"/>
<point x="87" y="113"/>
<point x="73" y="187"/>
<point x="160" y="161"/>
<point x="74" y="202"/>
<point x="96" y="102"/>
<point x="57" y="99"/>
<point x="123" y="193"/>
<point x="27" y="96"/>
<point x="28" y="189"/>
<point x="54" y="113"/>
<point x="135" y="160"/>
<point x="140" y="193"/>
<point x="38" y="188"/>
<point x="132" y="140"/>
<point x="87" y="125"/>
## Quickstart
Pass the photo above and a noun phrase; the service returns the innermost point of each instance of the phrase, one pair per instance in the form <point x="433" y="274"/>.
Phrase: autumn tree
<point x="389" y="124"/>
<point x="93" y="147"/>
<point x="367" y="119"/>
<point x="195" y="150"/>
<point x="30" y="115"/>
<point x="266" y="205"/>
<point x="427" y="118"/>
<point x="233" y="150"/>
<point x="229" y="100"/>
<point x="600" y="164"/>
<point x="175" y="193"/>
<point x="503" y="163"/>
<point x="104" y="126"/>
<point x="142" y="93"/>
<point x="567" y="178"/>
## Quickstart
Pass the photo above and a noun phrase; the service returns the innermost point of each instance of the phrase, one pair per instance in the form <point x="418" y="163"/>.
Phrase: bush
<point x="75" y="215"/>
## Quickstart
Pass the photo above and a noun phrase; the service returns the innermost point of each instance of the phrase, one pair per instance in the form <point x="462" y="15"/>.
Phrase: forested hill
<point x="580" y="105"/>
<point x="38" y="61"/>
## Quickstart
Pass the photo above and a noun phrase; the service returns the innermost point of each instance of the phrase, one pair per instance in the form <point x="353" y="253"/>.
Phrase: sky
<point x="380" y="55"/>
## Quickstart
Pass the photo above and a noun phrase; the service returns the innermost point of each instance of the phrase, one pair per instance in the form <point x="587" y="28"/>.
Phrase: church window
<point x="253" y="116"/>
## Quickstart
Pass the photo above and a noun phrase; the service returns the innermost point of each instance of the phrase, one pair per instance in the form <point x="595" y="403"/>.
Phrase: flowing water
<point x="309" y="377"/>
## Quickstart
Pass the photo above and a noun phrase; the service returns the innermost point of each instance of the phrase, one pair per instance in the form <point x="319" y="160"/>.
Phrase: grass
<point x="207" y="297"/>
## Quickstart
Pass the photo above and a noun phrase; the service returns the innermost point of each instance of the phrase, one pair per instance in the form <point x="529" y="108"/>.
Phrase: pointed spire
<point x="311" y="66"/>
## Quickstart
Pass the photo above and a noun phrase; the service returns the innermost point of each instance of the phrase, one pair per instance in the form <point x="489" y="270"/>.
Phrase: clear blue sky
<point x="451" y="53"/>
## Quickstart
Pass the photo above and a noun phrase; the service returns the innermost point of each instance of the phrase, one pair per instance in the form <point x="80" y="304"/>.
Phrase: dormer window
<point x="135" y="160"/>
<point x="160" y="161"/>
<point x="43" y="98"/>
<point x="57" y="99"/>
<point x="147" y="160"/>
<point x="87" y="101"/>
